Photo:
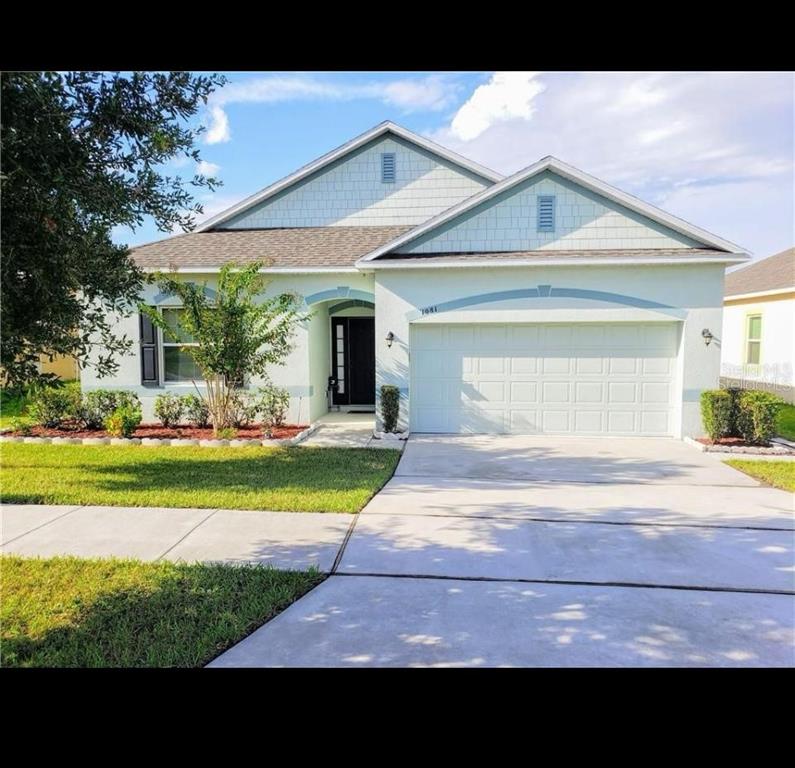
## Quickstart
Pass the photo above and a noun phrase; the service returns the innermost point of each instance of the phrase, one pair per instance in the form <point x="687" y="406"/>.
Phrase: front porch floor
<point x="339" y="429"/>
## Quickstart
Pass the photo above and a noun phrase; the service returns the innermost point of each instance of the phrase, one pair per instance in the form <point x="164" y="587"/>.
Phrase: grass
<point x="72" y="612"/>
<point x="12" y="410"/>
<point x="780" y="474"/>
<point x="299" y="479"/>
<point x="785" y="422"/>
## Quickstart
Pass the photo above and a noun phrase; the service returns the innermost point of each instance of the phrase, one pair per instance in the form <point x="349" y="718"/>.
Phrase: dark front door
<point x="353" y="354"/>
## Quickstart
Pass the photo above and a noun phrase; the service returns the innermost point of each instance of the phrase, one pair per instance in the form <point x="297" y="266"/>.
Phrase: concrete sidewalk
<point x="287" y="540"/>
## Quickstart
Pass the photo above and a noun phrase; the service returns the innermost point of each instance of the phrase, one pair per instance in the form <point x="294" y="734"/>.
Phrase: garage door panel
<point x="605" y="378"/>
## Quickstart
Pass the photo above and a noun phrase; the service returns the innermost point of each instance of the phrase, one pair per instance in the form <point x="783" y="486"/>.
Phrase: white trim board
<point x="420" y="263"/>
<point x="335" y="154"/>
<point x="585" y="180"/>
<point x="758" y="294"/>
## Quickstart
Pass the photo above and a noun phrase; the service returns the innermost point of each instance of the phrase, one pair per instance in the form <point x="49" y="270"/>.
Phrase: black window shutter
<point x="149" y="377"/>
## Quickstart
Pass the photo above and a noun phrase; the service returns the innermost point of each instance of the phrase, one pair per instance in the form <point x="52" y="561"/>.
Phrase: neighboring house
<point x="547" y="301"/>
<point x="758" y="341"/>
<point x="62" y="366"/>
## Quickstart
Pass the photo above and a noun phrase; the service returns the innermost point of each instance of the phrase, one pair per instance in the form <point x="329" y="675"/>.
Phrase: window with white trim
<point x="178" y="365"/>
<point x="753" y="339"/>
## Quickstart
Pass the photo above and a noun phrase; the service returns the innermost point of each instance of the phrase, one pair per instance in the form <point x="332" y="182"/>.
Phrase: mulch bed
<point x="159" y="432"/>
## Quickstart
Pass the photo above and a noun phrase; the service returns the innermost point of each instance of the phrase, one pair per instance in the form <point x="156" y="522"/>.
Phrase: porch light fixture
<point x="707" y="336"/>
<point x="390" y="337"/>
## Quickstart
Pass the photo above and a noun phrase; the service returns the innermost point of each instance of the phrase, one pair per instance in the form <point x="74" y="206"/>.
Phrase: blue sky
<point x="713" y="148"/>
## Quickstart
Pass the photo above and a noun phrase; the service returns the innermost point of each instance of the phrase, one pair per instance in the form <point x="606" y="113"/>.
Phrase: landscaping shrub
<point x="390" y="406"/>
<point x="272" y="403"/>
<point x="123" y="421"/>
<point x="197" y="412"/>
<point x="98" y="404"/>
<point x="756" y="416"/>
<point x="169" y="409"/>
<point x="51" y="405"/>
<point x="227" y="433"/>
<point x="718" y="413"/>
<point x="242" y="409"/>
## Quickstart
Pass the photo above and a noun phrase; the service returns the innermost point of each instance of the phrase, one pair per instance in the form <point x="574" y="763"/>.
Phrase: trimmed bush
<point x="242" y="409"/>
<point x="123" y="421"/>
<point x="197" y="412"/>
<point x="756" y="416"/>
<point x="51" y="405"/>
<point x="98" y="404"/>
<point x="169" y="409"/>
<point x="717" y="413"/>
<point x="273" y="403"/>
<point x="390" y="406"/>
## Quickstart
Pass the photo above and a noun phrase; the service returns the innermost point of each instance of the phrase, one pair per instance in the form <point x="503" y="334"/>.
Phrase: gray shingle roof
<point x="550" y="255"/>
<point x="304" y="247"/>
<point x="770" y="274"/>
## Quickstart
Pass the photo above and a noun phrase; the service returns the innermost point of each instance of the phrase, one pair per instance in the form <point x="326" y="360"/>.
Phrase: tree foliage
<point x="82" y="153"/>
<point x="238" y="334"/>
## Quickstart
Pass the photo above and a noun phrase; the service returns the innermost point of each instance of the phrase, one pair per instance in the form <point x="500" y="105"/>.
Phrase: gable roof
<point x="316" y="165"/>
<point x="567" y="171"/>
<point x="775" y="273"/>
<point x="297" y="249"/>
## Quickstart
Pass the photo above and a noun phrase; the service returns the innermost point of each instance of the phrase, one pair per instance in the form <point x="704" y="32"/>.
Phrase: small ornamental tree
<point x="237" y="335"/>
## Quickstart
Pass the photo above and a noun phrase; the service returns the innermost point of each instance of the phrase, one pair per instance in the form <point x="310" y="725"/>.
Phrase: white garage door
<point x="578" y="378"/>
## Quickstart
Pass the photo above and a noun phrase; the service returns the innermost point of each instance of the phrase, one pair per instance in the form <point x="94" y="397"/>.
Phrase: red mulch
<point x="159" y="432"/>
<point x="733" y="441"/>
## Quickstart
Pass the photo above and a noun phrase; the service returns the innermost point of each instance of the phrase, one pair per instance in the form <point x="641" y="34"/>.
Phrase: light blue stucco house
<point x="546" y="301"/>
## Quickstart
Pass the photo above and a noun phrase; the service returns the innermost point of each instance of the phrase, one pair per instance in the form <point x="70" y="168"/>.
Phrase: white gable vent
<point x="388" y="167"/>
<point x="546" y="213"/>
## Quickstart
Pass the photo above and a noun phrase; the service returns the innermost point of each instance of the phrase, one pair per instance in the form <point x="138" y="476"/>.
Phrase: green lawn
<point x="12" y="409"/>
<point x="781" y="474"/>
<point x="71" y="612"/>
<point x="298" y="479"/>
<point x="785" y="422"/>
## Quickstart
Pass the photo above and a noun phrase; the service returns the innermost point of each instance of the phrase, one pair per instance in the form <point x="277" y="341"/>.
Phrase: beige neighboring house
<point x="758" y="342"/>
<point x="63" y="366"/>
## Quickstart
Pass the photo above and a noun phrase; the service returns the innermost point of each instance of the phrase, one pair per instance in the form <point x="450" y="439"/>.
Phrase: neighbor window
<point x="753" y="341"/>
<point x="178" y="365"/>
<point x="546" y="213"/>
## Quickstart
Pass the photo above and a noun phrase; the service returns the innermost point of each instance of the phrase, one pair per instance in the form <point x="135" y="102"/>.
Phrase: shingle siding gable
<point x="351" y="192"/>
<point x="583" y="221"/>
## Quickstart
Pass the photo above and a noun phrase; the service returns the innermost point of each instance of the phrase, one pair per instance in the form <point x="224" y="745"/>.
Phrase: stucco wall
<point x="778" y="341"/>
<point x="351" y="193"/>
<point x="305" y="380"/>
<point x="693" y="294"/>
<point x="583" y="220"/>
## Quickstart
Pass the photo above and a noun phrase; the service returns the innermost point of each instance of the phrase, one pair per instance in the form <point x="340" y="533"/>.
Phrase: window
<point x="753" y="339"/>
<point x="388" y="167"/>
<point x="178" y="365"/>
<point x="546" y="213"/>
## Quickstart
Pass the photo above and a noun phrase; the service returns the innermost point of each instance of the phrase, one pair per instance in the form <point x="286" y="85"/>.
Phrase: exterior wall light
<point x="707" y="336"/>
<point x="390" y="337"/>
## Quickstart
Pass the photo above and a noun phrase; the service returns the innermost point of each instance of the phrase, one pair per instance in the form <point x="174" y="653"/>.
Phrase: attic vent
<point x="546" y="213"/>
<point x="388" y="167"/>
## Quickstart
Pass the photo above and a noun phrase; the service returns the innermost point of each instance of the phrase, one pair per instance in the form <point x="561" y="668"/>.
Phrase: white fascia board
<point x="418" y="263"/>
<point x="265" y="270"/>
<point x="344" y="149"/>
<point x="758" y="294"/>
<point x="573" y="174"/>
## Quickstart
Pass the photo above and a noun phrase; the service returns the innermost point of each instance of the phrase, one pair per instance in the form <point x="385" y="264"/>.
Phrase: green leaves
<point x="81" y="155"/>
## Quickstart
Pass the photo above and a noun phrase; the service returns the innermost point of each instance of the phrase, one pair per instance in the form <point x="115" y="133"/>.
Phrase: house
<point x="546" y="301"/>
<point x="758" y="340"/>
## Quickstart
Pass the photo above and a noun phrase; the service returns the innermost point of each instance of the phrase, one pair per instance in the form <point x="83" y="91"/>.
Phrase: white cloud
<point x="217" y="126"/>
<point x="507" y="95"/>
<point x="678" y="140"/>
<point x="205" y="168"/>
<point x="432" y="93"/>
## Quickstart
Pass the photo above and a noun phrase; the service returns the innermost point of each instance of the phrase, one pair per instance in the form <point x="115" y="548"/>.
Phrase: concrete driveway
<point x="541" y="551"/>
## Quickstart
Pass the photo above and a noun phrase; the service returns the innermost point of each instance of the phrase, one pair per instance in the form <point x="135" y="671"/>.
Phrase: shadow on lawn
<point x="185" y="619"/>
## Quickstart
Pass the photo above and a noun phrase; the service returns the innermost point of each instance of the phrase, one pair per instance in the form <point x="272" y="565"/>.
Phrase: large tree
<point x="82" y="153"/>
